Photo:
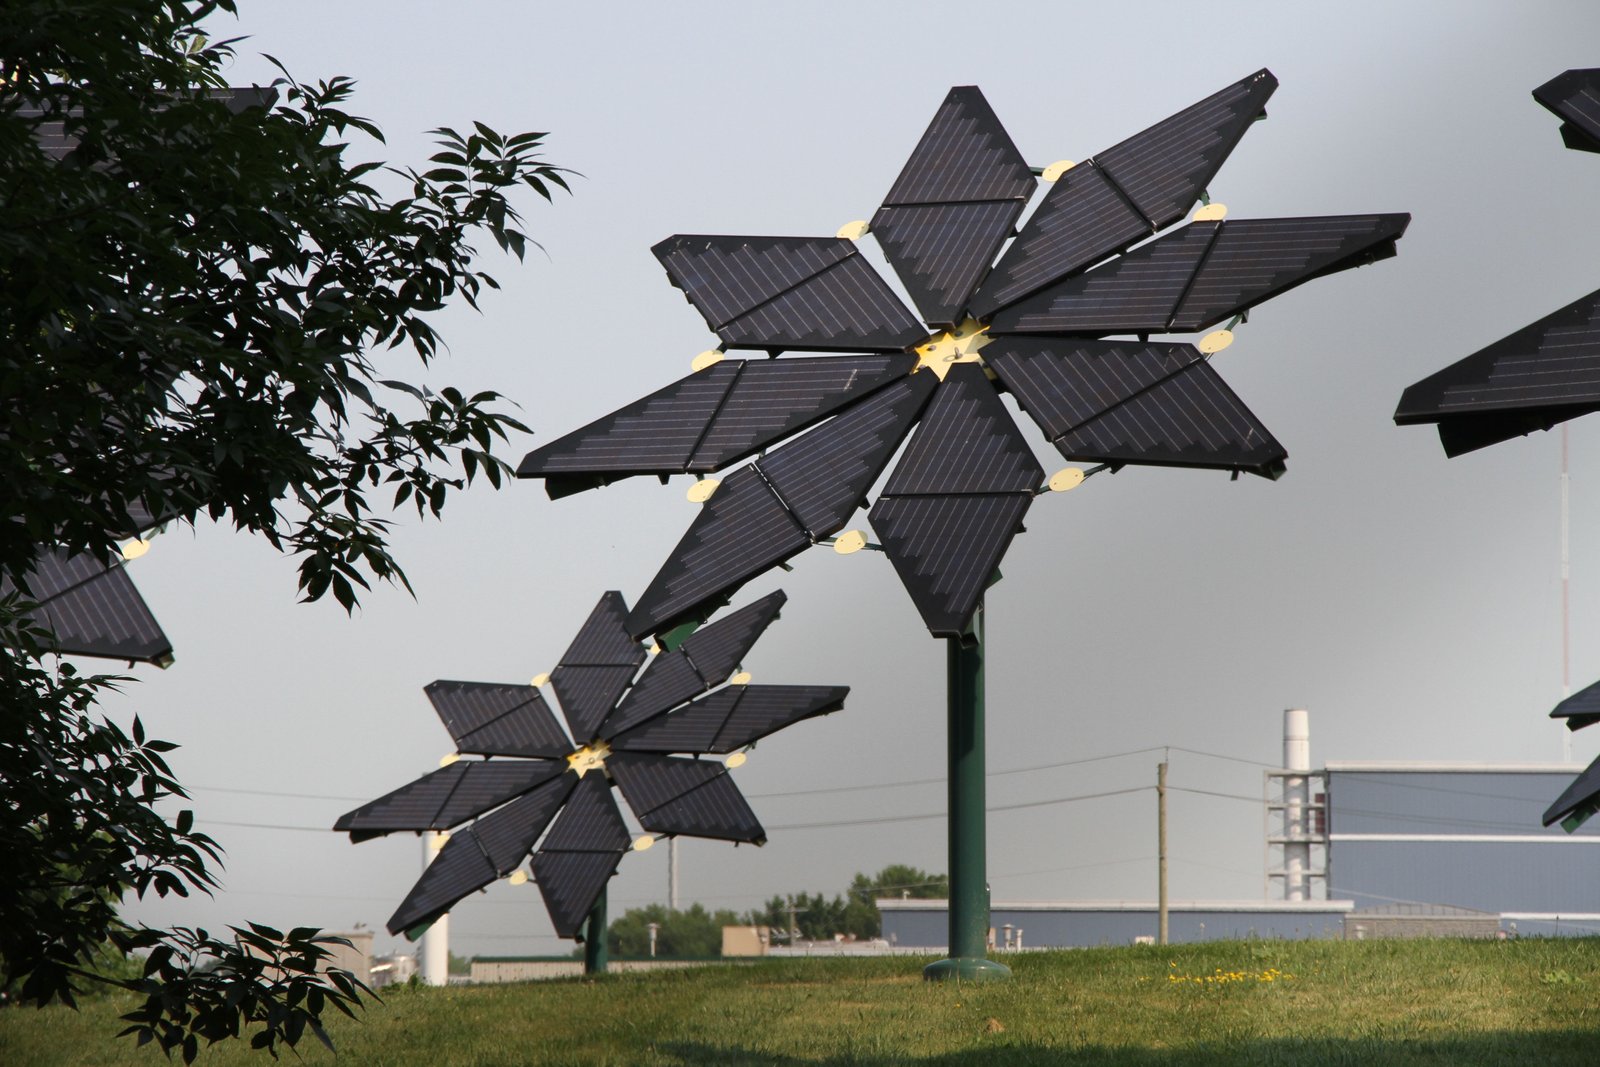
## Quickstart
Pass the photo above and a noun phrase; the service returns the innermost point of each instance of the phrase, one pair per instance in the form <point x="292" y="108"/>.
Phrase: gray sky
<point x="1411" y="603"/>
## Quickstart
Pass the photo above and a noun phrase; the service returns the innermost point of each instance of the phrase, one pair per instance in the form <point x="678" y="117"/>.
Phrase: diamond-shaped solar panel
<point x="1578" y="801"/>
<point x="1125" y="402"/>
<point x="1580" y="709"/>
<point x="953" y="205"/>
<point x="509" y="720"/>
<point x="710" y="419"/>
<point x="598" y="666"/>
<point x="1574" y="96"/>
<point x="777" y="293"/>
<point x="1203" y="273"/>
<point x="92" y="608"/>
<point x="515" y="799"/>
<point x="966" y="443"/>
<point x="775" y="508"/>
<point x="1539" y="376"/>
<point x="1126" y="193"/>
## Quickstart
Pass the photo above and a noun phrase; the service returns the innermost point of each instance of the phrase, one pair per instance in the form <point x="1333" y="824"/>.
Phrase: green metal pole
<point x="969" y="882"/>
<point x="595" y="953"/>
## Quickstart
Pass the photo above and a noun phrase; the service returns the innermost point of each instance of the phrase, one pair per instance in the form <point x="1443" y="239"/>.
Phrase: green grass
<point x="1456" y="1003"/>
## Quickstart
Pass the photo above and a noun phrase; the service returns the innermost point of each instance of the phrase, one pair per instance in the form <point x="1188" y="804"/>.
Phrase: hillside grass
<point x="1322" y="1003"/>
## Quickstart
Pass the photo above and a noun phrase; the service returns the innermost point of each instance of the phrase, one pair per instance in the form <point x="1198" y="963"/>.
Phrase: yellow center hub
<point x="589" y="758"/>
<point x="944" y="350"/>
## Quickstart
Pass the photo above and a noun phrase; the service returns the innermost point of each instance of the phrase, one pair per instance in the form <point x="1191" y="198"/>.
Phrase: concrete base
<point x="965" y="969"/>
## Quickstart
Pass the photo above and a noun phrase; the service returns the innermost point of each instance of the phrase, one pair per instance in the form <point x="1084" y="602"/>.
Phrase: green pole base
<point x="965" y="969"/>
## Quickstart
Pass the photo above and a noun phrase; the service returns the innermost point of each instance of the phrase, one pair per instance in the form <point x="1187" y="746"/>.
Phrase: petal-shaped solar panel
<point x="1201" y="274"/>
<point x="685" y="796"/>
<point x="781" y="504"/>
<point x="953" y="205"/>
<point x="92" y="608"/>
<point x="597" y="667"/>
<point x="1541" y="375"/>
<point x="503" y="720"/>
<point x="706" y="658"/>
<point x="1125" y="193"/>
<point x="490" y="848"/>
<point x="1125" y="402"/>
<point x="710" y="419"/>
<point x="966" y="443"/>
<point x="448" y="797"/>
<point x="946" y="549"/>
<point x="779" y="293"/>
<point x="580" y="854"/>
<point x="1580" y="709"/>
<point x="731" y="718"/>
<point x="1574" y="96"/>
<point x="1578" y="801"/>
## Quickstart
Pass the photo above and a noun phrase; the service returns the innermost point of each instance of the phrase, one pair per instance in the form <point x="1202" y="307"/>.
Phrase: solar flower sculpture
<point x="1534" y="379"/>
<point x="1035" y="318"/>
<point x="624" y="731"/>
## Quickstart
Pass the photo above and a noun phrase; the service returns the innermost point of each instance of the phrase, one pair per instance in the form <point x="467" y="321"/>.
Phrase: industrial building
<point x="1353" y="850"/>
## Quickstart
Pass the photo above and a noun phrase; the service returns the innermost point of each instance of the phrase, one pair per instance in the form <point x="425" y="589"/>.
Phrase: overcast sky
<point x="1412" y="603"/>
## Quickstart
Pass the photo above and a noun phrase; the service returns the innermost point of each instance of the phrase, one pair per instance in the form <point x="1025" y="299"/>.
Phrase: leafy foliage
<point x="203" y="297"/>
<point x="689" y="934"/>
<point x="853" y="913"/>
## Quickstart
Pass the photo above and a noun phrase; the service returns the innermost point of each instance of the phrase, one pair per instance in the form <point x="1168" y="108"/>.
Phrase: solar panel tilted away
<point x="626" y="731"/>
<point x="1533" y="379"/>
<point x="1033" y="313"/>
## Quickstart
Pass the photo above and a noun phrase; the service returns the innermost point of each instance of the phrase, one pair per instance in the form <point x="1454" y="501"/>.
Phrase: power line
<point x="940" y="814"/>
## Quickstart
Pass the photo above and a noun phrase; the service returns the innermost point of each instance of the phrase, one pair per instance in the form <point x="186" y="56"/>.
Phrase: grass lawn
<point x="1226" y="1003"/>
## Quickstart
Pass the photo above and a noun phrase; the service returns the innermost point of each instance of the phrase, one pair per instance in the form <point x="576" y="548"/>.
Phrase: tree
<point x="691" y="934"/>
<point x="203" y="298"/>
<point x="852" y="914"/>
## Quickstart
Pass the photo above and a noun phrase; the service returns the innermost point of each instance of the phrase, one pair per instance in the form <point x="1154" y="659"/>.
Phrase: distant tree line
<point x="696" y="933"/>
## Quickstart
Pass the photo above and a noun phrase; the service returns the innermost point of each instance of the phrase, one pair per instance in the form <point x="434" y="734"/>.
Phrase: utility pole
<point x="672" y="873"/>
<point x="794" y="931"/>
<point x="1161" y="852"/>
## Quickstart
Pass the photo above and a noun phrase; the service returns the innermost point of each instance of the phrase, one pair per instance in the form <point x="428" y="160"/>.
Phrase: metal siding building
<point x="1083" y="924"/>
<point x="1464" y="835"/>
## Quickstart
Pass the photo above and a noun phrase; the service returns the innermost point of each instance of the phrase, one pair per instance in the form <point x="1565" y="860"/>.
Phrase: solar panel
<point x="1201" y="274"/>
<point x="597" y="667"/>
<point x="1125" y="402"/>
<point x="515" y="799"/>
<point x="1580" y="709"/>
<point x="775" y="508"/>
<point x="953" y="205"/>
<point x="731" y="718"/>
<point x="580" y="854"/>
<point x="448" y="797"/>
<point x="485" y="718"/>
<point x="1540" y="376"/>
<point x="946" y="549"/>
<point x="1126" y="192"/>
<point x="966" y="443"/>
<point x="491" y="848"/>
<point x="685" y="796"/>
<point x="1574" y="96"/>
<point x="779" y="293"/>
<point x="92" y="608"/>
<point x="710" y="419"/>
<point x="1578" y="801"/>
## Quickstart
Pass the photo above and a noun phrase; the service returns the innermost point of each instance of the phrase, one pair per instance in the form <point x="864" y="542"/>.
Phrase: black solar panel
<point x="490" y="848"/>
<point x="779" y="293"/>
<point x="1126" y="192"/>
<point x="953" y="205"/>
<point x="731" y="718"/>
<point x="1579" y="800"/>
<point x="1199" y="275"/>
<point x="684" y="796"/>
<point x="92" y="608"/>
<point x="57" y="142"/>
<point x="691" y="728"/>
<point x="946" y="549"/>
<point x="710" y="419"/>
<point x="449" y="796"/>
<point x="1126" y="402"/>
<point x="966" y="443"/>
<point x="1539" y="376"/>
<point x="765" y="513"/>
<point x="597" y="667"/>
<point x="489" y="719"/>
<point x="1580" y="709"/>
<point x="580" y="853"/>
<point x="1574" y="96"/>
